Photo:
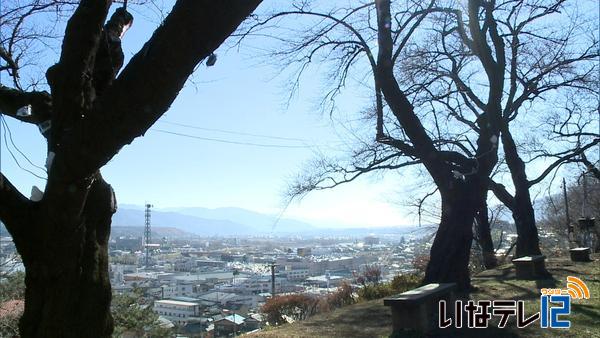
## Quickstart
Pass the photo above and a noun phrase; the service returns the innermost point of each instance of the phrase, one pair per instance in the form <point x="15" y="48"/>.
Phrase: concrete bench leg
<point x="415" y="318"/>
<point x="423" y="318"/>
<point x="580" y="255"/>
<point x="532" y="270"/>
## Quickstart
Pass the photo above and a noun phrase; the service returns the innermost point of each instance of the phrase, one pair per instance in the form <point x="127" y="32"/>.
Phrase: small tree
<point x="295" y="307"/>
<point x="12" y="292"/>
<point x="371" y="274"/>
<point x="133" y="317"/>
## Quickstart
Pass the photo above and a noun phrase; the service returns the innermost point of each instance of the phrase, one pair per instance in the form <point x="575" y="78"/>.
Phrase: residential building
<point x="177" y="311"/>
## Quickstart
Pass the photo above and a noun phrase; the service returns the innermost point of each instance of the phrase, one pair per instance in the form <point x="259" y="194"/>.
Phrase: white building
<point x="177" y="290"/>
<point x="258" y="284"/>
<point x="178" y="312"/>
<point x="296" y="274"/>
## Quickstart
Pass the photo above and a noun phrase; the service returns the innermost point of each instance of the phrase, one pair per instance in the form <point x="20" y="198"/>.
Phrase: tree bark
<point x="68" y="290"/>
<point x="522" y="208"/>
<point x="484" y="237"/>
<point x="451" y="248"/>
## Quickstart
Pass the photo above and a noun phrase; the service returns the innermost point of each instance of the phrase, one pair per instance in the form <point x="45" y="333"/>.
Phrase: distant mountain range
<point x="210" y="222"/>
<point x="231" y="221"/>
<point x="157" y="232"/>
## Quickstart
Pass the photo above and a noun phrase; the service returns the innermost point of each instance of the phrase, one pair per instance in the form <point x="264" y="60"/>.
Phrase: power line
<point x="9" y="133"/>
<point x="264" y="145"/>
<point x="4" y="127"/>
<point x="234" y="132"/>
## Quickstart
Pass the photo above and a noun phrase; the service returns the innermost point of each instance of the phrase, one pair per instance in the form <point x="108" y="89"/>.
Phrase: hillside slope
<point x="372" y="319"/>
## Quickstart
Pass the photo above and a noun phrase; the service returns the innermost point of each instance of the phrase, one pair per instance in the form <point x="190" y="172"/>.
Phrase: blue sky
<point x="239" y="96"/>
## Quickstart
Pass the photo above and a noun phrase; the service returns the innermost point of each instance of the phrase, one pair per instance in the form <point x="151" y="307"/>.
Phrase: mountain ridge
<point x="227" y="221"/>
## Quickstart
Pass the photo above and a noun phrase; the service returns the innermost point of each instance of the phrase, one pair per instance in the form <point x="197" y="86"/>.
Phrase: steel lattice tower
<point x="147" y="234"/>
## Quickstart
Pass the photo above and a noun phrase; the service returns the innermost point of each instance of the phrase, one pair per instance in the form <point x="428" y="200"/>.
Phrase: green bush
<point x="375" y="291"/>
<point x="397" y="285"/>
<point x="402" y="283"/>
<point x="131" y="316"/>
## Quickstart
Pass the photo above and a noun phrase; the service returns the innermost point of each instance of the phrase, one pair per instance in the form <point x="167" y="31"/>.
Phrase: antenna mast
<point x="147" y="234"/>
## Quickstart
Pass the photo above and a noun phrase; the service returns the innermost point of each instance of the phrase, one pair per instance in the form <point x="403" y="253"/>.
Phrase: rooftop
<point x="174" y="302"/>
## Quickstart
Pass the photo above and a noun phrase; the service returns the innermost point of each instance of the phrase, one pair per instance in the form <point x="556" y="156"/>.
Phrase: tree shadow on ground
<point x="458" y="333"/>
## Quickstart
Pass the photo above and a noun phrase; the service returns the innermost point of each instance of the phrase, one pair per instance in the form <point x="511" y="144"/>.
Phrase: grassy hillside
<point x="372" y="319"/>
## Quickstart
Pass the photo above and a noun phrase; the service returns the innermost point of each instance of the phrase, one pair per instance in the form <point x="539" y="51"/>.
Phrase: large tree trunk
<point x="484" y="237"/>
<point x="67" y="285"/>
<point x="450" y="252"/>
<point x="524" y="217"/>
<point x="63" y="238"/>
<point x="522" y="210"/>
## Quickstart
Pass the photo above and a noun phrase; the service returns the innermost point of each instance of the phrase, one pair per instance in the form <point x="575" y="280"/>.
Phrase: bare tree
<point x="542" y="52"/>
<point x="580" y="204"/>
<point x="88" y="115"/>
<point x="412" y="131"/>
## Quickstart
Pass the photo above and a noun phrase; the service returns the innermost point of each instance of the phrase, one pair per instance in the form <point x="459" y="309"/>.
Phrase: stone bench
<point x="580" y="254"/>
<point x="530" y="267"/>
<point x="417" y="309"/>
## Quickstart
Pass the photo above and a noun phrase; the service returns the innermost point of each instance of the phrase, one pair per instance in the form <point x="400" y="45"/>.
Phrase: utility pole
<point x="568" y="218"/>
<point x="584" y="209"/>
<point x="147" y="234"/>
<point x="566" y="203"/>
<point x="272" y="279"/>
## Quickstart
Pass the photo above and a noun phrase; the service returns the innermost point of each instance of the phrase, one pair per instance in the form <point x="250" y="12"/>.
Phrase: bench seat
<point x="580" y="254"/>
<point x="530" y="267"/>
<point x="417" y="309"/>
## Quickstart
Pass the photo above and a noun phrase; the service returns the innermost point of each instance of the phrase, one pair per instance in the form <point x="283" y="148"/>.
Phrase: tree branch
<point x="562" y="160"/>
<point x="502" y="194"/>
<point x="150" y="82"/>
<point x="14" y="209"/>
<point x="109" y="57"/>
<point x="591" y="167"/>
<point x="397" y="100"/>
<point x="72" y="73"/>
<point x="11" y="100"/>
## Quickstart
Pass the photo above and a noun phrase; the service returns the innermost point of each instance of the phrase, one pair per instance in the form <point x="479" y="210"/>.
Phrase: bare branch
<point x="14" y="209"/>
<point x="149" y="83"/>
<point x="40" y="104"/>
<point x="561" y="160"/>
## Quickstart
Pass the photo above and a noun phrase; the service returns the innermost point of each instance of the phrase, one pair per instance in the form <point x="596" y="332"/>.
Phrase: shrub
<point x="341" y="297"/>
<point x="397" y="285"/>
<point x="280" y="309"/>
<point x="296" y="307"/>
<point x="375" y="291"/>
<point x="401" y="283"/>
<point x="420" y="262"/>
<point x="370" y="275"/>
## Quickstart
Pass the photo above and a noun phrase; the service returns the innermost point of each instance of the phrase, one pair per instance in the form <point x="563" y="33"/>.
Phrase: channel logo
<point x="555" y="303"/>
<point x="555" y="307"/>
<point x="577" y="289"/>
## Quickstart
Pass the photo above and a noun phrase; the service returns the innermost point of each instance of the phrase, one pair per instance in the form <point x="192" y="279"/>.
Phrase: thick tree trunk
<point x="450" y="252"/>
<point x="524" y="217"/>
<point x="67" y="285"/>
<point x="523" y="212"/>
<point x="484" y="237"/>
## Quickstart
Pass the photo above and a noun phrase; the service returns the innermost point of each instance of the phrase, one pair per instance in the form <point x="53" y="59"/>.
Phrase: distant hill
<point x="238" y="221"/>
<point x="257" y="221"/>
<point x="157" y="232"/>
<point x="191" y="224"/>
